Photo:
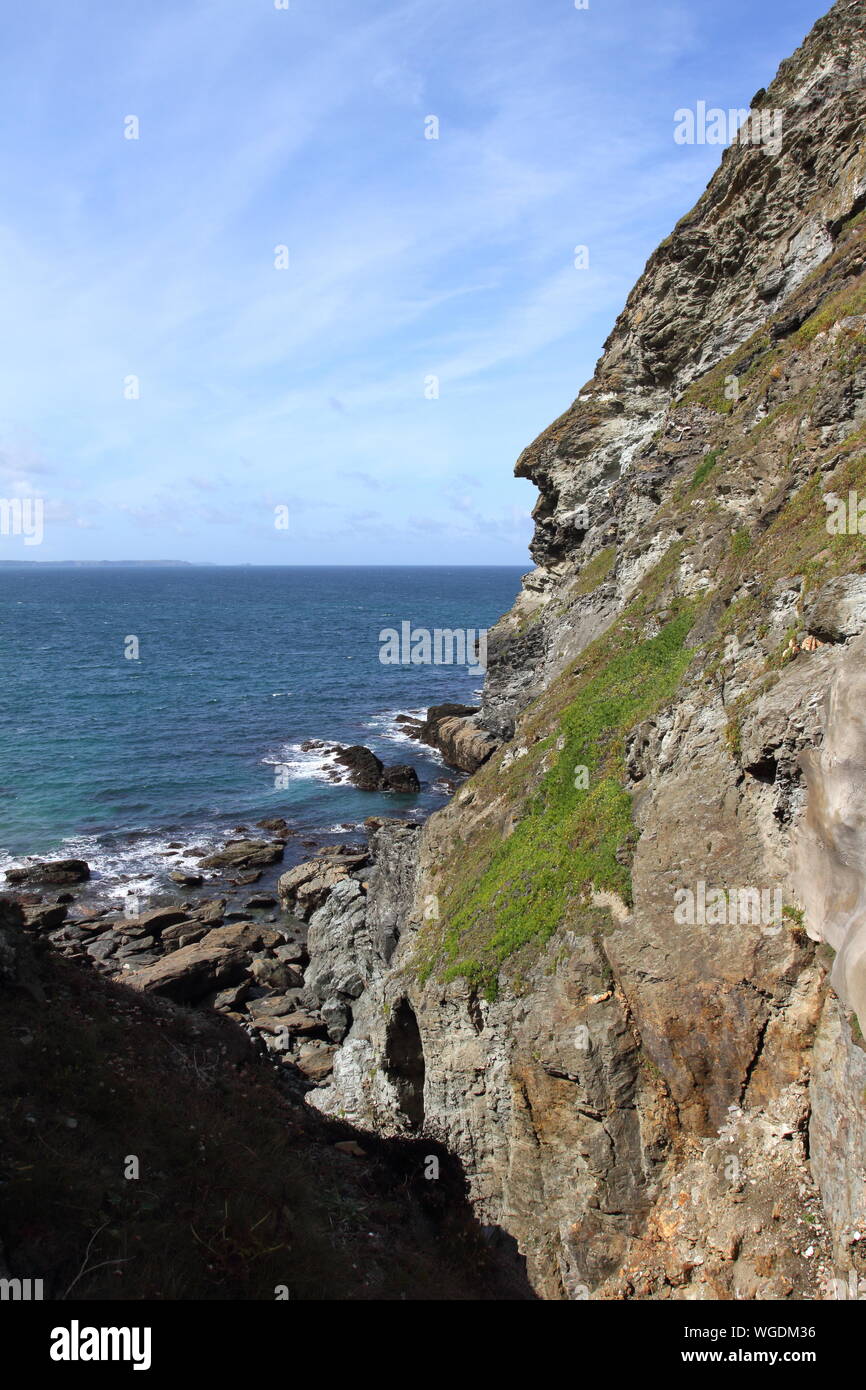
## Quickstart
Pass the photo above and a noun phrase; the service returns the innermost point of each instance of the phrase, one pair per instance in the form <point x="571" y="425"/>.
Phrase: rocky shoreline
<point x="268" y="960"/>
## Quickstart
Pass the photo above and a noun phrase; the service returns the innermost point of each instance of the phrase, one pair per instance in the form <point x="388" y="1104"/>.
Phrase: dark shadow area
<point x="147" y="1151"/>
<point x="404" y="1062"/>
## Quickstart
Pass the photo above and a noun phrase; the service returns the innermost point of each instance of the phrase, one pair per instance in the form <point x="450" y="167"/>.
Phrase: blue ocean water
<point x="111" y="758"/>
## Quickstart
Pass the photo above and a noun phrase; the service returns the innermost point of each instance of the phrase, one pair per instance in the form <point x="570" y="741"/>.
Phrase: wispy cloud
<point x="167" y="379"/>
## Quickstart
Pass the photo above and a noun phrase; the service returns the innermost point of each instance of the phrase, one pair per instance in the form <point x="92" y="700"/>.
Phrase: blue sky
<point x="409" y="258"/>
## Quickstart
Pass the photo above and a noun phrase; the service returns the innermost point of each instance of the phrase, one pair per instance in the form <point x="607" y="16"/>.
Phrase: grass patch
<point x="598" y="568"/>
<point x="704" y="469"/>
<point x="566" y="845"/>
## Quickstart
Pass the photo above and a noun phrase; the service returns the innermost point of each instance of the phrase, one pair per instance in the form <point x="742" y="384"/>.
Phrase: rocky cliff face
<point x="604" y="975"/>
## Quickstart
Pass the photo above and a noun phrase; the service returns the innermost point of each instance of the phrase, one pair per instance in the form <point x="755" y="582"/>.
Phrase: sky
<point x="283" y="325"/>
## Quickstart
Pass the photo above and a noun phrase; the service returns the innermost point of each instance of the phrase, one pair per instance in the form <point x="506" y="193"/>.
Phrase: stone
<point x="365" y="769"/>
<point x="245" y="854"/>
<point x="306" y="887"/>
<point x="401" y="778"/>
<point x="45" y="917"/>
<point x="155" y="920"/>
<point x="315" y="1064"/>
<point x="277" y="825"/>
<point x="51" y="871"/>
<point x="453" y="730"/>
<point x="270" y="1004"/>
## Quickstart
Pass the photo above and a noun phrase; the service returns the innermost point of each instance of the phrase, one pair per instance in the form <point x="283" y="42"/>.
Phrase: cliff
<point x="621" y="976"/>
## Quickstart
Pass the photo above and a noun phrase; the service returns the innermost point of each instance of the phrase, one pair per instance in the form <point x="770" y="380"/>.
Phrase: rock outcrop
<point x="56" y="871"/>
<point x="370" y="774"/>
<point x="455" y="732"/>
<point x="607" y="985"/>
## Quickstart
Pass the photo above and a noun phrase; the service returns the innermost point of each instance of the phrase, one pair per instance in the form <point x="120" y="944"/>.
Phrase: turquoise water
<point x="111" y="758"/>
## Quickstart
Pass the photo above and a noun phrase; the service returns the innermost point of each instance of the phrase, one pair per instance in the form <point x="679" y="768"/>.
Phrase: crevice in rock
<point x="404" y="1062"/>
<point x="756" y="1057"/>
<point x="763" y="769"/>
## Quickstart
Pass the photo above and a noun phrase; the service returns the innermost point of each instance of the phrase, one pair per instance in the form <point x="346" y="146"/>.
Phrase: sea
<point x="147" y="711"/>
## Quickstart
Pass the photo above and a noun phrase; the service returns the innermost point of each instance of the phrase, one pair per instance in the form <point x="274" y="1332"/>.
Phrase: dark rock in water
<point x="276" y="824"/>
<point x="54" y="871"/>
<point x="243" y="880"/>
<point x="401" y="778"/>
<point x="245" y="854"/>
<point x="368" y="772"/>
<point x="365" y="769"/>
<point x="186" y="880"/>
<point x="260" y="901"/>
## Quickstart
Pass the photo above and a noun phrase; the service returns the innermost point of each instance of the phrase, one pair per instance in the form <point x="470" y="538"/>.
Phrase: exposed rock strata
<point x="629" y="1080"/>
<point x="455" y="732"/>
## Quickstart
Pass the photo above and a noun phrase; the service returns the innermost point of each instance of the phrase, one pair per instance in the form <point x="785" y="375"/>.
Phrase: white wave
<point x="317" y="764"/>
<point x="137" y="866"/>
<point x="386" y="727"/>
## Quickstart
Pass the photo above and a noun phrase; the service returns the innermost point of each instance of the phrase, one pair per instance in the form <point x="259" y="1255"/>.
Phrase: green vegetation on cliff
<point x="570" y="840"/>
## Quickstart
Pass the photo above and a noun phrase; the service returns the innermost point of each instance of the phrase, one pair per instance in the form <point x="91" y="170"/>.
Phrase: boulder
<point x="245" y="854"/>
<point x="54" y="871"/>
<point x="306" y="887"/>
<point x="369" y="773"/>
<point x="836" y="610"/>
<point x="277" y="826"/>
<point x="271" y="1005"/>
<point x="316" y="1063"/>
<point x="210" y="911"/>
<point x="304" y="1024"/>
<point x="401" y="778"/>
<point x="365" y="769"/>
<point x="154" y="921"/>
<point x="454" y="732"/>
<point x="45" y="917"/>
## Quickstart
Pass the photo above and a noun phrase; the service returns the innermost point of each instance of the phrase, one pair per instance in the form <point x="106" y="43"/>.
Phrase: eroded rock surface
<point x="606" y="985"/>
